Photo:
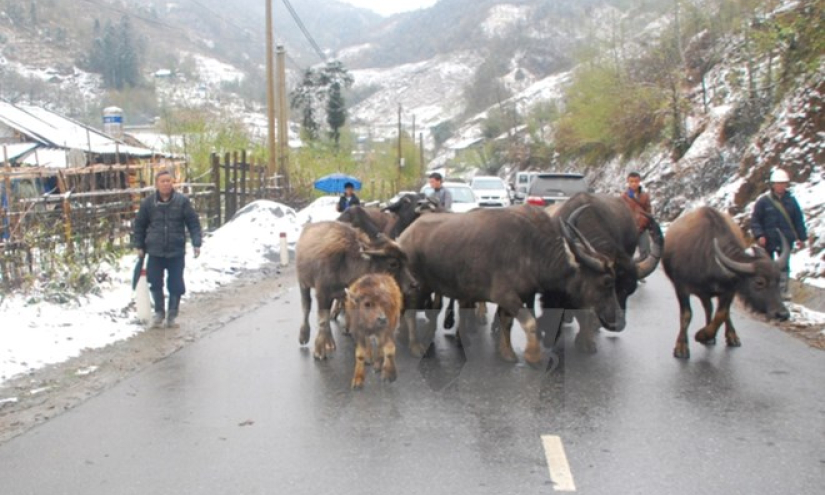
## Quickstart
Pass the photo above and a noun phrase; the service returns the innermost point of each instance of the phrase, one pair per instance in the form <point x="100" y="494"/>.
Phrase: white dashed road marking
<point x="557" y="463"/>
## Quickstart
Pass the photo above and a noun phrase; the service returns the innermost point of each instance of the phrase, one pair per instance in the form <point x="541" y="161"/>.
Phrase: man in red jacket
<point x="639" y="203"/>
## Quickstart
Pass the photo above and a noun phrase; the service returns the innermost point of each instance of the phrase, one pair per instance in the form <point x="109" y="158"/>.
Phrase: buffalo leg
<point x="588" y="325"/>
<point x="413" y="303"/>
<point x="532" y="352"/>
<point x="707" y="334"/>
<point x="388" y="372"/>
<point x="707" y="305"/>
<point x="306" y="306"/>
<point x="682" y="350"/>
<point x="449" y="316"/>
<point x="730" y="334"/>
<point x="360" y="358"/>
<point x="505" y="346"/>
<point x="481" y="313"/>
<point x="324" y="343"/>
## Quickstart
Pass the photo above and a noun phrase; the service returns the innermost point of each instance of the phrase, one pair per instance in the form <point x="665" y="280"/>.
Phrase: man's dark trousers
<point x="174" y="281"/>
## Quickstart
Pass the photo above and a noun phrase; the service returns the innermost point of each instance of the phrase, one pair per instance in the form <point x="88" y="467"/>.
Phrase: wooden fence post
<point x="243" y="178"/>
<point x="67" y="223"/>
<point x="235" y="166"/>
<point x="216" y="177"/>
<point x="227" y="183"/>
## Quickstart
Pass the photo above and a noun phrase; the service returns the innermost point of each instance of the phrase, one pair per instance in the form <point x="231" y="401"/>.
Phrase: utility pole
<point x="400" y="157"/>
<point x="270" y="92"/>
<point x="283" y="120"/>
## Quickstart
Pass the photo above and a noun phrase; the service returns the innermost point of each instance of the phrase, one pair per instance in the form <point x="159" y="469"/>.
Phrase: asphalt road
<point x="246" y="410"/>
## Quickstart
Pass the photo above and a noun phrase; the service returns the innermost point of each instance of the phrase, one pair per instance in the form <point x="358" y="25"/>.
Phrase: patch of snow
<point x="800" y="315"/>
<point x="37" y="334"/>
<point x="86" y="371"/>
<point x="320" y="210"/>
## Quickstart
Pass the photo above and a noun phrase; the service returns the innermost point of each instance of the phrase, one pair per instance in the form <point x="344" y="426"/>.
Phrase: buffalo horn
<point x="782" y="262"/>
<point x="648" y="264"/>
<point x="581" y="248"/>
<point x="575" y="215"/>
<point x="734" y="266"/>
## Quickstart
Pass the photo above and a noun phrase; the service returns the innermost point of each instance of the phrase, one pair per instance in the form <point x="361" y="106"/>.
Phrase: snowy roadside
<point x="34" y="335"/>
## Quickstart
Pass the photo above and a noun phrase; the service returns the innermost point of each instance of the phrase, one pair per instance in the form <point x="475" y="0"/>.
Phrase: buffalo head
<point x="385" y="256"/>
<point x="758" y="278"/>
<point x="594" y="287"/>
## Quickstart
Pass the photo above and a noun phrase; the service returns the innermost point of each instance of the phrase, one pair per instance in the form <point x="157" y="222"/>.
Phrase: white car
<point x="491" y="191"/>
<point x="464" y="199"/>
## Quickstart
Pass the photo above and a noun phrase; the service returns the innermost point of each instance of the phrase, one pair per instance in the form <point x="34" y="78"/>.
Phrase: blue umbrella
<point x="334" y="183"/>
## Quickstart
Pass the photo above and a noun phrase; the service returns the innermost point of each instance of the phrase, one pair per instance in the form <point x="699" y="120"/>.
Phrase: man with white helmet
<point x="777" y="211"/>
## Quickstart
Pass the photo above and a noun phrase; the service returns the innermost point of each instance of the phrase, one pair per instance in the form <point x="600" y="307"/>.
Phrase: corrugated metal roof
<point x="12" y="151"/>
<point x="57" y="131"/>
<point x="47" y="157"/>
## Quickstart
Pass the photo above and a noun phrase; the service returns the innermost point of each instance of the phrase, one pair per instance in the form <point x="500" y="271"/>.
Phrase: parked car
<point x="464" y="199"/>
<point x="548" y="188"/>
<point x="522" y="182"/>
<point x="491" y="191"/>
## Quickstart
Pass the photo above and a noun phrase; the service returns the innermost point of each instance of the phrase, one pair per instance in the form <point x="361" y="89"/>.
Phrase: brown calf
<point x="373" y="306"/>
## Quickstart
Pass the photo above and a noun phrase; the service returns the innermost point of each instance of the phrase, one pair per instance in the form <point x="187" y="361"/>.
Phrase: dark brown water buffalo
<point x="329" y="257"/>
<point x="610" y="227"/>
<point x="506" y="256"/>
<point x="390" y="220"/>
<point x="706" y="255"/>
<point x="374" y="304"/>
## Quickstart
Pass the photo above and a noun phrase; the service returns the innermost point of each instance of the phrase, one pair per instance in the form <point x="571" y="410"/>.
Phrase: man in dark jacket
<point x="348" y="198"/>
<point x="777" y="211"/>
<point x="160" y="232"/>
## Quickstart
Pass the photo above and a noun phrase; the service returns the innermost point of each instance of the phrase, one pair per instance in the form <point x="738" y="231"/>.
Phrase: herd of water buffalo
<point x="383" y="266"/>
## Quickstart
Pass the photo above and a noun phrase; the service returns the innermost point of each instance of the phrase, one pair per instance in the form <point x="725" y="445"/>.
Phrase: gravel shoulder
<point x="45" y="393"/>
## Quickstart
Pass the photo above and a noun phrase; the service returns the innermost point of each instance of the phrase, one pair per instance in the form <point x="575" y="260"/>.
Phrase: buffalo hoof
<point x="703" y="338"/>
<point x="417" y="350"/>
<point x="389" y="375"/>
<point x="733" y="341"/>
<point x="508" y="355"/>
<point x="585" y="344"/>
<point x="532" y="356"/>
<point x="303" y="337"/>
<point x="681" y="351"/>
<point x="357" y="384"/>
<point x="449" y="319"/>
<point x="323" y="348"/>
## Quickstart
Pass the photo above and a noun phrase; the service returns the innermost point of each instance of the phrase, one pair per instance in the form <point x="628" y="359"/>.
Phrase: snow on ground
<point x="34" y="335"/>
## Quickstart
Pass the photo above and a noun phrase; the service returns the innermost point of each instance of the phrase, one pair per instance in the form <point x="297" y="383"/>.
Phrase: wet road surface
<point x="246" y="410"/>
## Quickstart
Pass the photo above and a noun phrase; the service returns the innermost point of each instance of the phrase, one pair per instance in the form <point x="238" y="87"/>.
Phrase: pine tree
<point x="303" y="97"/>
<point x="128" y="60"/>
<point x="336" y="111"/>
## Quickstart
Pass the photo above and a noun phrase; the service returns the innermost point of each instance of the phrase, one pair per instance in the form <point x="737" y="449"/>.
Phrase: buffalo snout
<point x="617" y="324"/>
<point x="782" y="315"/>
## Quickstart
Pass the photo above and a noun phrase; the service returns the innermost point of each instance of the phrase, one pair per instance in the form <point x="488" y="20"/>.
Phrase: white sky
<point x="387" y="7"/>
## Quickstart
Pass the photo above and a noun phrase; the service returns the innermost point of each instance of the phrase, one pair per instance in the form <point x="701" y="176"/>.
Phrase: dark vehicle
<point x="550" y="188"/>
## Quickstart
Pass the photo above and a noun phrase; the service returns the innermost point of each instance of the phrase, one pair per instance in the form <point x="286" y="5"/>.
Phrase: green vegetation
<point x="617" y="105"/>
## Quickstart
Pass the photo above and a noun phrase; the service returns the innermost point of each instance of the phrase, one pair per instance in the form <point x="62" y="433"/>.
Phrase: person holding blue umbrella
<point x="348" y="198"/>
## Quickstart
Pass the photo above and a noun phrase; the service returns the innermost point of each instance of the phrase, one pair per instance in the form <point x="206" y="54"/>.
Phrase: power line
<point x="304" y="30"/>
